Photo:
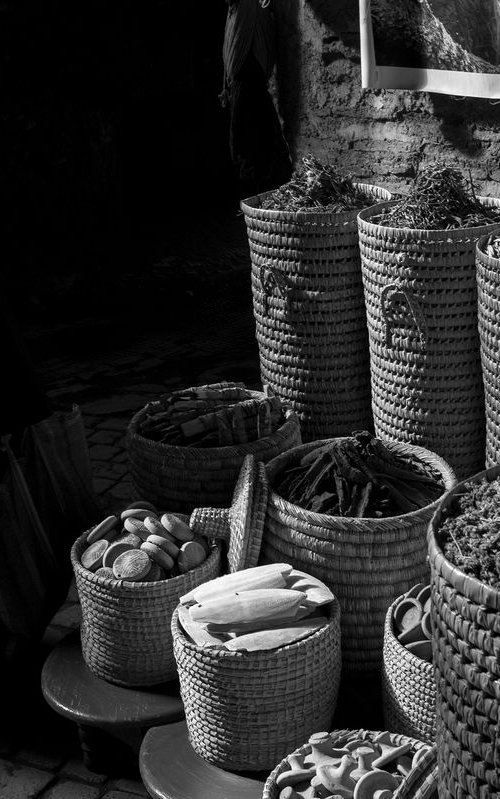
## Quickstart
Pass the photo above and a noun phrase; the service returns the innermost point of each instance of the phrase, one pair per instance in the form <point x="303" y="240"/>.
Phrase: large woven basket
<point x="310" y="315"/>
<point x="245" y="710"/>
<point x="466" y="655"/>
<point x="421" y="304"/>
<point x="188" y="477"/>
<point x="408" y="688"/>
<point x="367" y="563"/>
<point x="488" y="301"/>
<point x="421" y="783"/>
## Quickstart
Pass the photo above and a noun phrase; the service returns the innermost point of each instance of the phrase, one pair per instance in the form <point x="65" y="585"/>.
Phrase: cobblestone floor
<point x="110" y="380"/>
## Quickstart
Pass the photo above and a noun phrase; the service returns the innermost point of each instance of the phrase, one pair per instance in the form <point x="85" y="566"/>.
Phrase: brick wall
<point x="377" y="135"/>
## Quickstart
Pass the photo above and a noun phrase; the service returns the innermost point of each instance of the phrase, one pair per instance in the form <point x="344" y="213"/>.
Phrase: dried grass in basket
<point x="367" y="563"/>
<point x="309" y="313"/>
<point x="466" y="655"/>
<point x="421" y="306"/>
<point x="408" y="688"/>
<point x="488" y="300"/>
<point x="245" y="710"/>
<point x="421" y="783"/>
<point x="184" y="477"/>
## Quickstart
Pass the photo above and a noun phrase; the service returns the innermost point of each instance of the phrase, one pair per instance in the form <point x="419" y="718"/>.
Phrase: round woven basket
<point x="188" y="477"/>
<point x="466" y="655"/>
<point x="125" y="633"/>
<point x="245" y="710"/>
<point x="488" y="299"/>
<point x="421" y="305"/>
<point x="408" y="687"/>
<point x="367" y="563"/>
<point x="421" y="783"/>
<point x="310" y="315"/>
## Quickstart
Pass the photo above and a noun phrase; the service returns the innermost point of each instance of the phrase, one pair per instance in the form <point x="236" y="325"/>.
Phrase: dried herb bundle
<point x="216" y="415"/>
<point x="440" y="199"/>
<point x="359" y="477"/>
<point x="315" y="186"/>
<point x="492" y="246"/>
<point x="470" y="535"/>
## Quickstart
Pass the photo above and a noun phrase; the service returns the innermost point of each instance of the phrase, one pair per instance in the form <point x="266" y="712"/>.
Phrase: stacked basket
<point x="488" y="297"/>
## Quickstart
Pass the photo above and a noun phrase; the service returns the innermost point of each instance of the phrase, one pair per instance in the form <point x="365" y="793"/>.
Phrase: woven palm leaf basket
<point x="367" y="563"/>
<point x="488" y="300"/>
<point x="408" y="688"/>
<point x="126" y="626"/>
<point x="466" y="655"/>
<point x="187" y="477"/>
<point x="246" y="710"/>
<point x="420" y="783"/>
<point x="421" y="305"/>
<point x="310" y="315"/>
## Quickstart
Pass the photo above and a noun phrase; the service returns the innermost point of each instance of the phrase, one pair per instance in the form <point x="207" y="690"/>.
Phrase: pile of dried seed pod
<point x="492" y="246"/>
<point x="411" y="619"/>
<point x="356" y="766"/>
<point x="143" y="545"/>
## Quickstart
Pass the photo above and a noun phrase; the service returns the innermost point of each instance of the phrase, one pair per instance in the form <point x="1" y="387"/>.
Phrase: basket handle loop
<point x="211" y="523"/>
<point x="271" y="279"/>
<point x="393" y="295"/>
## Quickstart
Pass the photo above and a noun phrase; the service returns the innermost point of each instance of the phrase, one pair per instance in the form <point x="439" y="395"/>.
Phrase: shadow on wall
<point x="288" y="68"/>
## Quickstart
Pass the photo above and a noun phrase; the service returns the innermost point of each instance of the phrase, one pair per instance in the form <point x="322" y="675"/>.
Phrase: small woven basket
<point x="188" y="477"/>
<point x="367" y="563"/>
<point x="488" y="299"/>
<point x="125" y="633"/>
<point x="421" y="305"/>
<point x="310" y="315"/>
<point x="466" y="655"/>
<point x="408" y="688"/>
<point x="421" y="783"/>
<point x="245" y="710"/>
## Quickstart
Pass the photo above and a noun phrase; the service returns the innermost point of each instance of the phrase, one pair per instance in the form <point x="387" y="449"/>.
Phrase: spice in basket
<point x="315" y="186"/>
<point x="440" y="199"/>
<point x="256" y="609"/>
<point x="470" y="533"/>
<point x="492" y="246"/>
<point x="411" y="621"/>
<point x="217" y="415"/>
<point x="143" y="545"/>
<point x="355" y="765"/>
<point x="359" y="476"/>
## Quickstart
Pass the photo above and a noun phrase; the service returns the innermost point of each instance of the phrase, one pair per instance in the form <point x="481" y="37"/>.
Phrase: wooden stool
<point x="171" y="769"/>
<point x="111" y="720"/>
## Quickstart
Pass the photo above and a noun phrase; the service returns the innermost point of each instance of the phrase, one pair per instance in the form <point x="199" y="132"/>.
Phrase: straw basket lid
<point x="241" y="526"/>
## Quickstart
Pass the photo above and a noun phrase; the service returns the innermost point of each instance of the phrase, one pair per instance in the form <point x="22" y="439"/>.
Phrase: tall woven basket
<point x="310" y="315"/>
<point x="488" y="300"/>
<point x="188" y="477"/>
<point x="421" y="783"/>
<point x="421" y="304"/>
<point x="367" y="563"/>
<point x="246" y="710"/>
<point x="466" y="654"/>
<point x="408" y="688"/>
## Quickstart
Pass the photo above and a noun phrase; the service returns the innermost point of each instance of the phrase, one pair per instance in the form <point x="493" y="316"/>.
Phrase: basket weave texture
<point x="367" y="563"/>
<point x="488" y="301"/>
<point x="125" y="633"/>
<point x="245" y="710"/>
<point x="310" y="315"/>
<point x="466" y="655"/>
<point x="408" y="688"/>
<point x="421" y="305"/>
<point x="189" y="477"/>
<point x="420" y="784"/>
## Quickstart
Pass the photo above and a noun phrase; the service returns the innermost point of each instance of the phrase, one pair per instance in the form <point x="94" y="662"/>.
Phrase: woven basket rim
<point x="471" y="587"/>
<point x="324" y="519"/>
<point x="337" y="737"/>
<point x="144" y="586"/>
<point x="251" y="204"/>
<point x="209" y="453"/>
<point x="488" y="260"/>
<point x="366" y="214"/>
<point x="216" y="654"/>
<point x="400" y="649"/>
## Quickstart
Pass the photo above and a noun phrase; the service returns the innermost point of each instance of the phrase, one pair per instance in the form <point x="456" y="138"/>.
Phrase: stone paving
<point x="109" y="382"/>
